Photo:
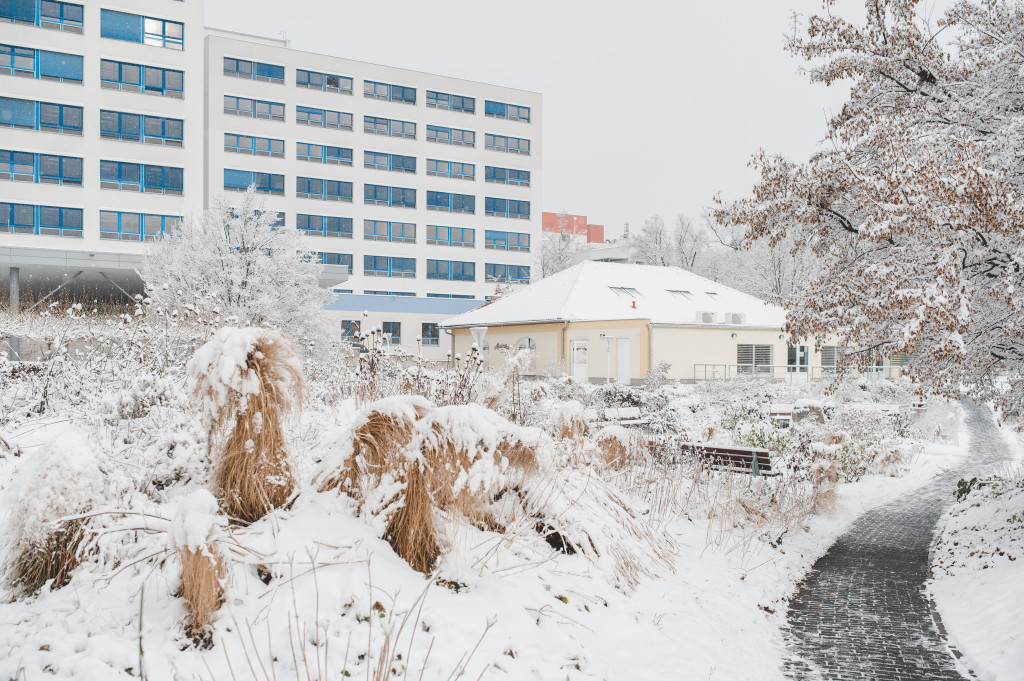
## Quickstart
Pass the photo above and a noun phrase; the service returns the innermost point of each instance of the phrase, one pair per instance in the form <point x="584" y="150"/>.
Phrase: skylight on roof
<point x="711" y="293"/>
<point x="685" y="295"/>
<point x="625" y="291"/>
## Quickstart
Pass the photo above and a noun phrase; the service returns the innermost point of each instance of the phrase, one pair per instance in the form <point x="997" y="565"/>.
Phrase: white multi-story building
<point x="422" y="189"/>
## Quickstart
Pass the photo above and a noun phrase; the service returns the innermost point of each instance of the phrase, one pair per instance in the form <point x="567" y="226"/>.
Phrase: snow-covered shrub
<point x="825" y="471"/>
<point x="193" y="535"/>
<point x="569" y="420"/>
<point x="618" y="447"/>
<point x="248" y="380"/>
<point x="66" y="477"/>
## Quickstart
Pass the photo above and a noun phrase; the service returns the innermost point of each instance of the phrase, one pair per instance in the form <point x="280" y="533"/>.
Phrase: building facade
<point x="409" y="184"/>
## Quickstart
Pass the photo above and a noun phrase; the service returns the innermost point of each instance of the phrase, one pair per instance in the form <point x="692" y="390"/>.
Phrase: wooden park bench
<point x="749" y="460"/>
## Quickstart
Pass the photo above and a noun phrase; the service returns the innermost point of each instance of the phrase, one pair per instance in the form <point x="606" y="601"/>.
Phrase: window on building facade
<point x="149" y="80"/>
<point x="507" y="176"/>
<point x="375" y="125"/>
<point x="430" y="333"/>
<point x="507" y="208"/>
<point x="43" y="64"/>
<point x="324" y="225"/>
<point x="253" y="146"/>
<point x="141" y="177"/>
<point x="122" y="226"/>
<point x="511" y="112"/>
<point x="381" y="195"/>
<point x="443" y="100"/>
<point x="23" y="218"/>
<point x="315" y="80"/>
<point x="451" y="203"/>
<point x="60" y="16"/>
<point x="393" y="93"/>
<point x="323" y="118"/>
<point x="438" y="235"/>
<point x="319" y="153"/>
<point x="392" y="332"/>
<point x="253" y="70"/>
<point x="325" y="190"/>
<point x="384" y="230"/>
<point x="339" y="259"/>
<point x="451" y="270"/>
<point x="751" y="359"/>
<point x="31" y="115"/>
<point x="453" y="169"/>
<point x="393" y="162"/>
<point x="506" y="241"/>
<point x="509" y="145"/>
<point x="453" y="136"/>
<point x="265" y="183"/>
<point x="135" y="28"/>
<point x="350" y="331"/>
<point x="23" y="166"/>
<point x="388" y="266"/>
<point x="130" y="127"/>
<point x="495" y="272"/>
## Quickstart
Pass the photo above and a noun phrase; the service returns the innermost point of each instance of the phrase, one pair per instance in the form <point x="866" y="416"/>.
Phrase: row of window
<point x="43" y="64"/>
<point x="328" y="82"/>
<point x="405" y="232"/>
<point x="446" y="270"/>
<point x="135" y="28"/>
<point x="21" y="166"/>
<point x="61" y="16"/>
<point x="384" y="195"/>
<point x="430" y="332"/>
<point x="122" y="226"/>
<point x="51" y="117"/>
<point x="140" y="177"/>
<point x="22" y="218"/>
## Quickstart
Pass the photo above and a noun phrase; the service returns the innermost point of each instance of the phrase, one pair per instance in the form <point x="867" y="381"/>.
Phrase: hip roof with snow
<point x="603" y="291"/>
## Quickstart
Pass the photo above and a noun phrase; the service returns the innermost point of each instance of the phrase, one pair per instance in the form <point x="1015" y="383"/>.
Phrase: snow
<point x="978" y="574"/>
<point x="219" y="367"/>
<point x="194" y="522"/>
<point x="584" y="293"/>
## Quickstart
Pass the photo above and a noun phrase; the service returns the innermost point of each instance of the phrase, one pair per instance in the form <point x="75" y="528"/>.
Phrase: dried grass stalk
<point x="55" y="558"/>
<point x="412" y="528"/>
<point x="202" y="575"/>
<point x="252" y="472"/>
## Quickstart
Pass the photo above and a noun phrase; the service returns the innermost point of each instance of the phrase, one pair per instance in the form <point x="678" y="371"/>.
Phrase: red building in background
<point x="574" y="224"/>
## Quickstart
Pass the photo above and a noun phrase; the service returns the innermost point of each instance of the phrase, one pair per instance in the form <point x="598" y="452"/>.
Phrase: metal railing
<point x="784" y="373"/>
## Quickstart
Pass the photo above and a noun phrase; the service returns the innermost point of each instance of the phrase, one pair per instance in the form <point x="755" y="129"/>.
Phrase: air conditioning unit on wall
<point x="735" y="318"/>
<point x="705" y="317"/>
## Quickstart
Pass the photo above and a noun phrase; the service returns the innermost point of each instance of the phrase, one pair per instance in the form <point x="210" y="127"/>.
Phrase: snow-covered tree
<point x="653" y="244"/>
<point x="232" y="262"/>
<point x="558" y="248"/>
<point x="914" y="201"/>
<point x="689" y="242"/>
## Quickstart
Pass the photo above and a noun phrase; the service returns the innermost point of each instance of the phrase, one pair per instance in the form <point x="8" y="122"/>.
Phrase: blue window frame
<point x="324" y="225"/>
<point x="141" y="177"/>
<point x="131" y="127"/>
<point x="319" y="153"/>
<point x="383" y="230"/>
<point x="519" y="274"/>
<point x="507" y="208"/>
<point x="389" y="196"/>
<point x="32" y="115"/>
<point x="430" y="333"/>
<point x="451" y="203"/>
<point x="392" y="330"/>
<point x="392" y="162"/>
<point x="388" y="266"/>
<point x="341" y="259"/>
<point x="376" y="125"/>
<point x="325" y="190"/>
<point x="140" y="29"/>
<point x="460" y="296"/>
<point x="507" y="241"/>
<point x="443" y="100"/>
<point x="253" y="146"/>
<point x="509" y="145"/>
<point x="23" y="166"/>
<point x="453" y="136"/>
<point x="507" y="176"/>
<point x="60" y="16"/>
<point x="253" y="70"/>
<point x="265" y="183"/>
<point x="25" y="61"/>
<point x="452" y="169"/>
<point x="121" y="226"/>
<point x="328" y="82"/>
<point x="511" y="112"/>
<point x="323" y="118"/>
<point x="390" y="293"/>
<point x="253" y="108"/>
<point x="451" y="270"/>
<point x="439" y="235"/>
<point x="392" y="93"/>
<point x="350" y="330"/>
<point x="23" y="218"/>
<point x="150" y="80"/>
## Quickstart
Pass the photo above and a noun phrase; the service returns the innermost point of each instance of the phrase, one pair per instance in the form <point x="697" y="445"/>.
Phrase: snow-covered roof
<point x="595" y="291"/>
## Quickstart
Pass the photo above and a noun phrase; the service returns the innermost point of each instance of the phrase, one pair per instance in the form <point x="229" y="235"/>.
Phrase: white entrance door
<point x="580" y="362"/>
<point x="799" y="363"/>
<point x="622" y="359"/>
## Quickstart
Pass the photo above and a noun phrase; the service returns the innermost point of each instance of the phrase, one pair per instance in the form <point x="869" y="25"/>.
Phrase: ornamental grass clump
<point x="193" y="535"/>
<point x="43" y="533"/>
<point x="249" y="380"/>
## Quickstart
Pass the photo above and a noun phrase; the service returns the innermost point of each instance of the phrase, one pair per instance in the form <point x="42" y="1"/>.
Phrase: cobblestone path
<point x="862" y="613"/>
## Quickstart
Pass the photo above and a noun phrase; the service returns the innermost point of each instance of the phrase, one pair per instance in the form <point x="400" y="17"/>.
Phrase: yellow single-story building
<point x="601" y="321"/>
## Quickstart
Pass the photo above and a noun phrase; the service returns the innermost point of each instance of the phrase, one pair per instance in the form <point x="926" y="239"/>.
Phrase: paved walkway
<point x="862" y="613"/>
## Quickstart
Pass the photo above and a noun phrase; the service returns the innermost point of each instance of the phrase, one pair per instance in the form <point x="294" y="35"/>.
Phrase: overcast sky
<point x="649" y="106"/>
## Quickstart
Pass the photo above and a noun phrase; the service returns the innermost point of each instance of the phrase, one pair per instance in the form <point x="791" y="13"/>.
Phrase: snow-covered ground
<point x="978" y="571"/>
<point x="313" y="592"/>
